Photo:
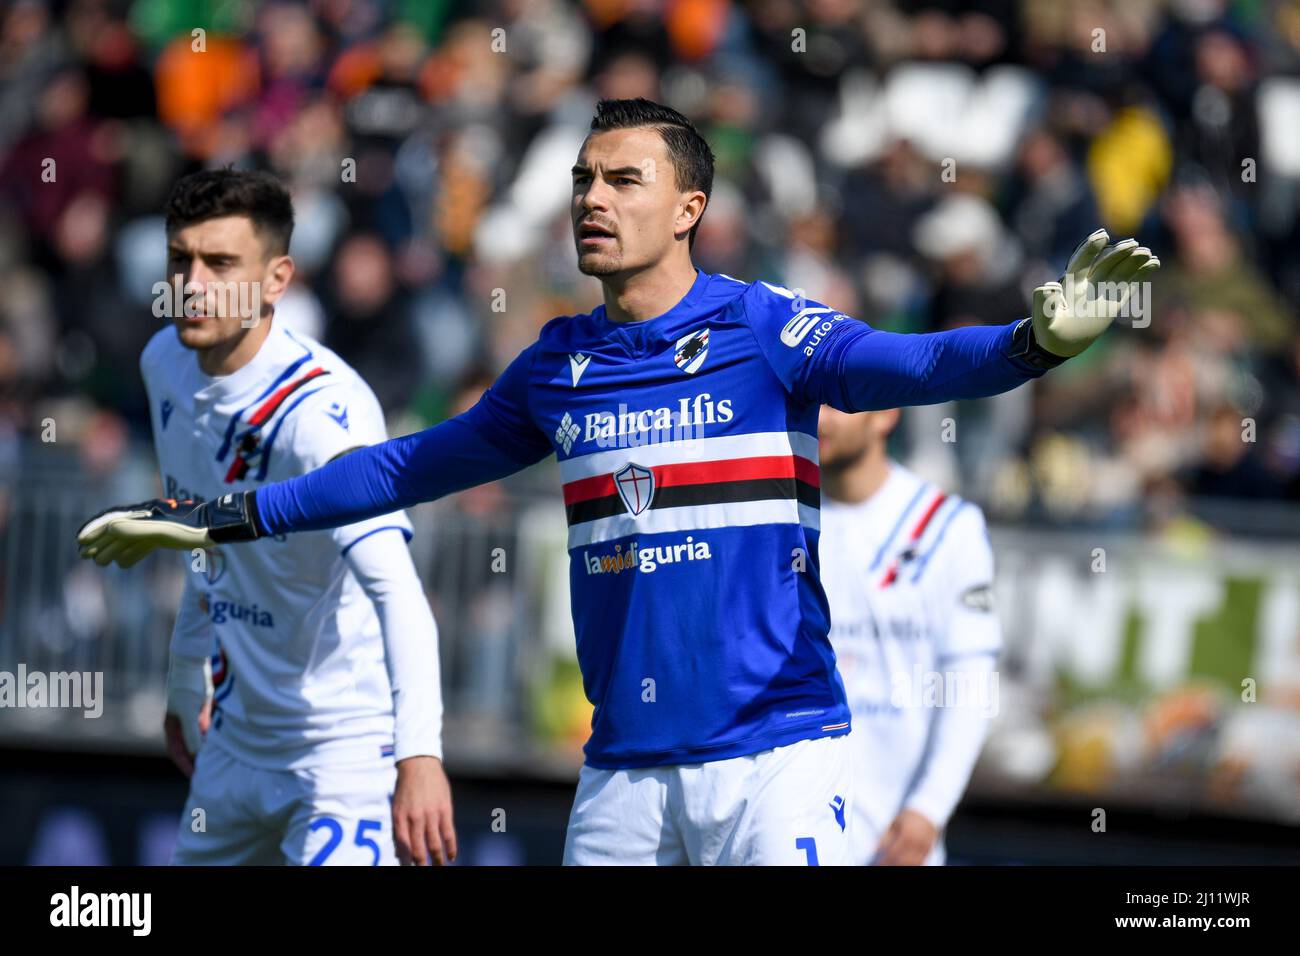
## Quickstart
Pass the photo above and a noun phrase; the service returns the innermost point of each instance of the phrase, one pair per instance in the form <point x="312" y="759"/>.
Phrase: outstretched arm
<point x="828" y="358"/>
<point x="471" y="449"/>
<point x="865" y="369"/>
<point x="495" y="438"/>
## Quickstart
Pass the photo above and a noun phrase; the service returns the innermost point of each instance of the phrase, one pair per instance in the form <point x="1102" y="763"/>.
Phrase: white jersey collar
<point x="277" y="351"/>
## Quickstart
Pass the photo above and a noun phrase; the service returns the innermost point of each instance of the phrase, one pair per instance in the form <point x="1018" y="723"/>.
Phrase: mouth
<point x="592" y="234"/>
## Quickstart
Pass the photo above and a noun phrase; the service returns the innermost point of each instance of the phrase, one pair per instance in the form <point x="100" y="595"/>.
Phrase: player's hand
<point x="422" y="818"/>
<point x="127" y="533"/>
<point x="1098" y="282"/>
<point x="177" y="747"/>
<point x="189" y="708"/>
<point x="908" y="841"/>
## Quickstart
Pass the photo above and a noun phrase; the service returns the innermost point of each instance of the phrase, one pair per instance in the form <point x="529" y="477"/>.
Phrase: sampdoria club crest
<point x="636" y="486"/>
<point x="691" y="350"/>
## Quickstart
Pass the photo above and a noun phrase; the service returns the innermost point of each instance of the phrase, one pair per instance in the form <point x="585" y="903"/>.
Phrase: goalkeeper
<point x="683" y="412"/>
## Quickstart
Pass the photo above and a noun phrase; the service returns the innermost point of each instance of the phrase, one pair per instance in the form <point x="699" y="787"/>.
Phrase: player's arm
<point x="495" y="438"/>
<point x="832" y="359"/>
<point x="189" y="664"/>
<point x="189" y="678"/>
<point x="375" y="551"/>
<point x="959" y="575"/>
<point x="422" y="806"/>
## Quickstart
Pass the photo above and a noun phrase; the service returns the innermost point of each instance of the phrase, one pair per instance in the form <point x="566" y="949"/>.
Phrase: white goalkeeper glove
<point x="189" y="688"/>
<point x="127" y="533"/>
<point x="1098" y="282"/>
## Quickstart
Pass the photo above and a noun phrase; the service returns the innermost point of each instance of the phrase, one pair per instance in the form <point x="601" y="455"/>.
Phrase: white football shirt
<point x="299" y="653"/>
<point x="908" y="574"/>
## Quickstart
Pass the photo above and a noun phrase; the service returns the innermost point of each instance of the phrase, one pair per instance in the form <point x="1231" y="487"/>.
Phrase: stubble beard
<point x="210" y="335"/>
<point x="841" y="461"/>
<point x="599" y="265"/>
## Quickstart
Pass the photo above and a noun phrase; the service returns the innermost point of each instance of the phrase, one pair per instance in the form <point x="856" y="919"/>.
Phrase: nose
<point x="190" y="270"/>
<point x="593" y="197"/>
<point x="203" y="272"/>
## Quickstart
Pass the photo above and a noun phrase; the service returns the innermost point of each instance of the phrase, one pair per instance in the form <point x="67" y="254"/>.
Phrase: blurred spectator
<point x="1208" y="269"/>
<point x="1230" y="466"/>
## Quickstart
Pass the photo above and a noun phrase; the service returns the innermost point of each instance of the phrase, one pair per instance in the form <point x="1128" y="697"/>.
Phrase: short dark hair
<point x="233" y="192"/>
<point x="691" y="156"/>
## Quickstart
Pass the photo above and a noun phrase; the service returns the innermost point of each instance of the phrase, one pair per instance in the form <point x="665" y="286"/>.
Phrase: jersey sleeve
<point x="954" y="743"/>
<point x="382" y="565"/>
<point x="959" y="582"/>
<point x="192" y="633"/>
<point x="495" y="438"/>
<point x="334" y="421"/>
<point x="149" y="359"/>
<point x="962" y="588"/>
<point x="823" y="356"/>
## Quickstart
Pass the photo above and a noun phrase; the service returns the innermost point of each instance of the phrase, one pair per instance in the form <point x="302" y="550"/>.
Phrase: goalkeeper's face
<point x="627" y="211"/>
<point x="223" y="281"/>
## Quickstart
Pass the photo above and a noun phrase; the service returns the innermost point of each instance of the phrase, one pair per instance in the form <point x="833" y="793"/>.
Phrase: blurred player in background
<point x="310" y="737"/>
<point x="908" y="572"/>
<point x="683" y="411"/>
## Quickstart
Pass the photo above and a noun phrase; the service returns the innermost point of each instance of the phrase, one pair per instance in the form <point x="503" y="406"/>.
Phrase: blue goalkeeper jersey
<point x="687" y="446"/>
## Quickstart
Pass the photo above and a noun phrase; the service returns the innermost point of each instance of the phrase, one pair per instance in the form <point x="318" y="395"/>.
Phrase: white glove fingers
<point x="1106" y="263"/>
<point x="1048" y="299"/>
<point x="1085" y="254"/>
<point x="1126" y="270"/>
<point x="1148" y="267"/>
<point x="109" y="552"/>
<point x="97" y="526"/>
<point x="133" y="554"/>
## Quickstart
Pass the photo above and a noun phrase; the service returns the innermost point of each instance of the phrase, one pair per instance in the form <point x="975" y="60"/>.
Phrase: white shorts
<point x="788" y="806"/>
<point x="317" y="816"/>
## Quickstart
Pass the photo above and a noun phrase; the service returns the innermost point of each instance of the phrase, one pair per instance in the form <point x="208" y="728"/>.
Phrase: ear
<point x="689" y="212"/>
<point x="886" y="421"/>
<point x="279" y="273"/>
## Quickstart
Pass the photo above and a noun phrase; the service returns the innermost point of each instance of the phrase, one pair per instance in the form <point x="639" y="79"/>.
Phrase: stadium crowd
<point x="917" y="164"/>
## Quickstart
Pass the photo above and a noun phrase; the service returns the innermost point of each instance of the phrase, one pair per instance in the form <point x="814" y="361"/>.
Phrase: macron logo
<point x="800" y="325"/>
<point x="577" y="365"/>
<point x="166" y="411"/>
<point x="339" y="413"/>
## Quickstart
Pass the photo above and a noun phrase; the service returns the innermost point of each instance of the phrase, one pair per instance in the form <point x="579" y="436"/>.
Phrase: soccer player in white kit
<point x="321" y="702"/>
<point x="908" y="572"/>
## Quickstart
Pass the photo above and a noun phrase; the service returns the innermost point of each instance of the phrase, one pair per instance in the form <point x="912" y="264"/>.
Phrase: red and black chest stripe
<point x="683" y="484"/>
<point x="248" y="443"/>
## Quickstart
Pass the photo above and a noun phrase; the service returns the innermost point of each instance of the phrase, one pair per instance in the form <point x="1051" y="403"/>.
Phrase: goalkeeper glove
<point x="1098" y="282"/>
<point x="127" y="533"/>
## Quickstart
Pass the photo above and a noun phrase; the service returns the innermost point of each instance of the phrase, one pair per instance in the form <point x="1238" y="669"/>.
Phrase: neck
<point x="650" y="292"/>
<point x="231" y="356"/>
<point x="860" y="480"/>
